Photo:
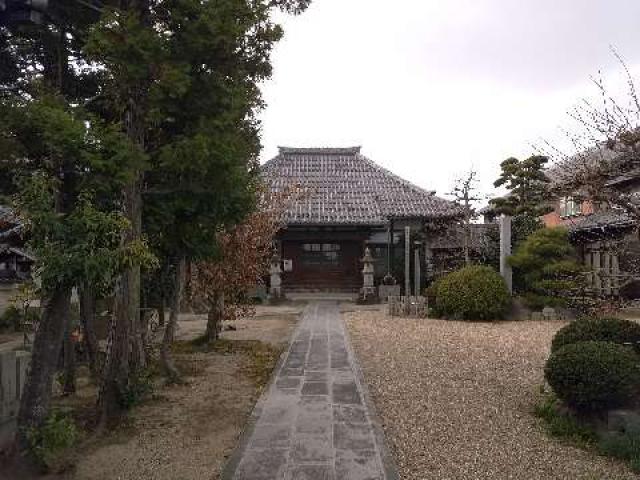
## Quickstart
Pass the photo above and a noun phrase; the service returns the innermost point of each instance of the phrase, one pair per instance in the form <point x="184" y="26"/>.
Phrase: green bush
<point x="614" y="330"/>
<point x="140" y="388"/>
<point x="10" y="319"/>
<point x="593" y="376"/>
<point x="472" y="293"/>
<point x="49" y="442"/>
<point x="546" y="269"/>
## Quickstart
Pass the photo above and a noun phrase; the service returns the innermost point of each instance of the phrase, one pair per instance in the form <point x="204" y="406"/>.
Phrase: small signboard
<point x="287" y="265"/>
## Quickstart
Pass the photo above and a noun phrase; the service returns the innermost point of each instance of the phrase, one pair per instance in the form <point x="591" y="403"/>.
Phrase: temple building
<point x="347" y="203"/>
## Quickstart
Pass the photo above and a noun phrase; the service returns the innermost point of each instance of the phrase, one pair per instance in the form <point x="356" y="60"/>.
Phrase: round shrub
<point x="593" y="376"/>
<point x="614" y="330"/>
<point x="472" y="293"/>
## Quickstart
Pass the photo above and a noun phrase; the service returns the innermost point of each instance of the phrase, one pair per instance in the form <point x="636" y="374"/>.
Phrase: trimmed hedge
<point x="472" y="293"/>
<point x="614" y="330"/>
<point x="593" y="376"/>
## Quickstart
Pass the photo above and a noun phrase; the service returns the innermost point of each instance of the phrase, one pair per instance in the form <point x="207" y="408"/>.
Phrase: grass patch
<point x="623" y="446"/>
<point x="262" y="357"/>
<point x="565" y="427"/>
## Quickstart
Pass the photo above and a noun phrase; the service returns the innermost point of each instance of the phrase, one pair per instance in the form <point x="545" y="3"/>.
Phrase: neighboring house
<point x="15" y="262"/>
<point x="605" y="236"/>
<point x="607" y="241"/>
<point x="348" y="203"/>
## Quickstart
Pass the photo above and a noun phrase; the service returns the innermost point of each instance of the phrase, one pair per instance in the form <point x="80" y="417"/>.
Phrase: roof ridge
<point x="320" y="150"/>
<point x="405" y="182"/>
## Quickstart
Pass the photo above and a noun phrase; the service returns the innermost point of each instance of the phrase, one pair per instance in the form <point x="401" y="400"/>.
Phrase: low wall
<point x="13" y="374"/>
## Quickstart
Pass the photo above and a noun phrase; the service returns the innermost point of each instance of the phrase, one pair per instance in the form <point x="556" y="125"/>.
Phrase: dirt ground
<point x="186" y="432"/>
<point x="456" y="399"/>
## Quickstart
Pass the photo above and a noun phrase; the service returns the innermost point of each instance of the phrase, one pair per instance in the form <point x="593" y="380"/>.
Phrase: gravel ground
<point x="456" y="399"/>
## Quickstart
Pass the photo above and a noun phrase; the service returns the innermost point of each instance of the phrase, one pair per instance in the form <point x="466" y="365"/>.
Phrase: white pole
<point x="505" y="251"/>
<point x="407" y="261"/>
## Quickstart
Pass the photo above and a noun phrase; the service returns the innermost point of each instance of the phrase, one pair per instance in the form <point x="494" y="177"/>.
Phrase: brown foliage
<point x="245" y="254"/>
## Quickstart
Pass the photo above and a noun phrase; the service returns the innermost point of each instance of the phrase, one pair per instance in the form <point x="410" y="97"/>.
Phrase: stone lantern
<point x="275" y="289"/>
<point x="368" y="291"/>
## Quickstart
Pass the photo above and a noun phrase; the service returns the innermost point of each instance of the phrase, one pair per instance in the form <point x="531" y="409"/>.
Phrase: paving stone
<point x="274" y="414"/>
<point x="313" y="425"/>
<point x="266" y="464"/>
<point x="349" y="414"/>
<point x="353" y="437"/>
<point x="346" y="393"/>
<point x="291" y="372"/>
<point x="315" y="388"/>
<point x="272" y="436"/>
<point x="311" y="448"/>
<point x="362" y="465"/>
<point x="310" y="472"/>
<point x="316" y="376"/>
<point x="288" y="382"/>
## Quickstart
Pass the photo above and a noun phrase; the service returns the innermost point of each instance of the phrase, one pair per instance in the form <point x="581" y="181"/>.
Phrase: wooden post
<point x="606" y="267"/>
<point x="615" y="271"/>
<point x="407" y="261"/>
<point x="597" y="281"/>
<point x="505" y="251"/>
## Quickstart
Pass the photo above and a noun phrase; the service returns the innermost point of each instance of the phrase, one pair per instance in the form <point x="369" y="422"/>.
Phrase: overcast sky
<point x="430" y="88"/>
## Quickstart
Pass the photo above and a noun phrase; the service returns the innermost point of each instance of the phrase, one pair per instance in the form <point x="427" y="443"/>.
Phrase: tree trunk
<point x="167" y="362"/>
<point x="69" y="360"/>
<point x="87" y="320"/>
<point x="215" y="317"/>
<point x="161" y="318"/>
<point x="125" y="349"/>
<point x="36" y="396"/>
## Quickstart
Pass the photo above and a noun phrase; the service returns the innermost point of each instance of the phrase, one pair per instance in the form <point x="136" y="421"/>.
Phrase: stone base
<point x="386" y="291"/>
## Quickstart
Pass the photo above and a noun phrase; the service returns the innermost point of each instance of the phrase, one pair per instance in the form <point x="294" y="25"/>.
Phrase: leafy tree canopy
<point x="527" y="184"/>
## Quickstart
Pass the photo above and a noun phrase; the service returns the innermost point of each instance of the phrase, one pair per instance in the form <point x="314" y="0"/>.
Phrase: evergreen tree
<point x="528" y="187"/>
<point x="183" y="75"/>
<point x="546" y="268"/>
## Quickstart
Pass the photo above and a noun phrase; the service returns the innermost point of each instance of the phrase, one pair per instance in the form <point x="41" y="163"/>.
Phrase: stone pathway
<point x="315" y="422"/>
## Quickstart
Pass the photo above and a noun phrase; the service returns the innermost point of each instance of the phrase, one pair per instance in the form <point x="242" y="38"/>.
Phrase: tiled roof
<point x="10" y="225"/>
<point x="341" y="186"/>
<point x="599" y="221"/>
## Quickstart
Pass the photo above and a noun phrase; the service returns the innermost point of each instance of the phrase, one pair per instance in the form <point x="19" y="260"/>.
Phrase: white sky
<point x="430" y="88"/>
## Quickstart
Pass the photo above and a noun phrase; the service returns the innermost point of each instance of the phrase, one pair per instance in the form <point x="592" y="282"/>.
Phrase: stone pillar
<point x="407" y="261"/>
<point x="416" y="270"/>
<point x="368" y="291"/>
<point x="505" y="250"/>
<point x="275" y="289"/>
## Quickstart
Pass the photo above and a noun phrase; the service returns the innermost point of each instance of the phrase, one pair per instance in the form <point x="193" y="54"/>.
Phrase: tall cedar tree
<point x="64" y="166"/>
<point x="183" y="76"/>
